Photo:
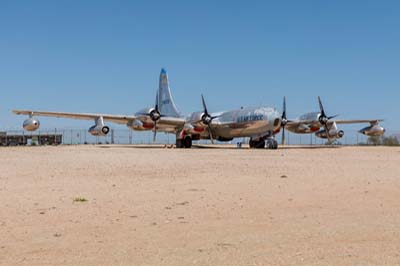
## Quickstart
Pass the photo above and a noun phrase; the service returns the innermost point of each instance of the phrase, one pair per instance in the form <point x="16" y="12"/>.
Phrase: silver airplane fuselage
<point x="244" y="122"/>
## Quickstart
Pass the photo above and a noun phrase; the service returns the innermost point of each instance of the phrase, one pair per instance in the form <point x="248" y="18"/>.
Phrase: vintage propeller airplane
<point x="260" y="124"/>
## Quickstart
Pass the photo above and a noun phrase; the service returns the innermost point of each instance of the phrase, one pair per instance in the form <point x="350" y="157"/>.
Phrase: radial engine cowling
<point x="336" y="134"/>
<point x="31" y="124"/>
<point x="99" y="131"/>
<point x="196" y="119"/>
<point x="373" y="130"/>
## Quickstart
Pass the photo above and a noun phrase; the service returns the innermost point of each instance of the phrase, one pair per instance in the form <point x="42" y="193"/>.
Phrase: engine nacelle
<point x="99" y="131"/>
<point x="196" y="119"/>
<point x="136" y="125"/>
<point x="373" y="130"/>
<point x="334" y="134"/>
<point x="31" y="124"/>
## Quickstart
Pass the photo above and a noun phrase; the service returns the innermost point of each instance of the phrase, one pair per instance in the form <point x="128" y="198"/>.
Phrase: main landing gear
<point x="272" y="144"/>
<point x="186" y="142"/>
<point x="269" y="143"/>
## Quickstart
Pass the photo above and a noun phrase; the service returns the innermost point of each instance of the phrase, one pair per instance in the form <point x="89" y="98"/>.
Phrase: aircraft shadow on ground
<point x="216" y="147"/>
<point x="170" y="146"/>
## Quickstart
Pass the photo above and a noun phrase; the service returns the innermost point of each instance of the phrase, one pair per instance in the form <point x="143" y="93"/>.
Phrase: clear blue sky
<point x="105" y="56"/>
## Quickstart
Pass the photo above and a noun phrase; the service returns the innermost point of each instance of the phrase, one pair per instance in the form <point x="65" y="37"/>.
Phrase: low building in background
<point x="21" y="139"/>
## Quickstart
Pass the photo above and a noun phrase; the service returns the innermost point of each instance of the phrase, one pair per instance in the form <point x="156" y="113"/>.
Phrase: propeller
<point x="324" y="119"/>
<point x="155" y="115"/>
<point x="206" y="118"/>
<point x="283" y="120"/>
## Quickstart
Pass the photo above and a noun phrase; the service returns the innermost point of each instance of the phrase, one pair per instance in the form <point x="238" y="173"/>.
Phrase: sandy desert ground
<point x="213" y="206"/>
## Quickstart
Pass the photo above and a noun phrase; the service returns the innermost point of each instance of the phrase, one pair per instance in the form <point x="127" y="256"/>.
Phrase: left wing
<point x="118" y="119"/>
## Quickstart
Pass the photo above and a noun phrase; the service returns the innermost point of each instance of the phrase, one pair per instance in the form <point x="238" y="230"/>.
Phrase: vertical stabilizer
<point x="165" y="102"/>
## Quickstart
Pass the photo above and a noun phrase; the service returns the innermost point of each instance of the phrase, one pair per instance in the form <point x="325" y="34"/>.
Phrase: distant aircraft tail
<point x="164" y="98"/>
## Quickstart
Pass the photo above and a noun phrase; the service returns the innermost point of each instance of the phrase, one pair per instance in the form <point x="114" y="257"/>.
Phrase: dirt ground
<point x="130" y="205"/>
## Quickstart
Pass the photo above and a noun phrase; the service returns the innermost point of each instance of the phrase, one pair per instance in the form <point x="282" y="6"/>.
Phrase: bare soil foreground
<point x="129" y="205"/>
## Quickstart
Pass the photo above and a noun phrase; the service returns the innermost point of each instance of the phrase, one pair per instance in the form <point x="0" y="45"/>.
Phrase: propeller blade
<point x="156" y="104"/>
<point x="211" y="118"/>
<point x="284" y="108"/>
<point x="327" y="133"/>
<point x="210" y="133"/>
<point x="321" y="107"/>
<point x="283" y="120"/>
<point x="204" y="105"/>
<point x="333" y="116"/>
<point x="155" y="131"/>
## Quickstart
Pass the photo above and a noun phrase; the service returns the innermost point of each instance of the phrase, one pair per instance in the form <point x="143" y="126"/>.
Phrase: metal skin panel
<point x="246" y="122"/>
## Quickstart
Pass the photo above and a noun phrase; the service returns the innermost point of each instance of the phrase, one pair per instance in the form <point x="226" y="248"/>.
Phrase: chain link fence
<point x="126" y="136"/>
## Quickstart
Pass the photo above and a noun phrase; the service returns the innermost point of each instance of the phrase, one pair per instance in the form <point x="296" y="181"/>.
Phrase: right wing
<point x="372" y="122"/>
<point x="317" y="123"/>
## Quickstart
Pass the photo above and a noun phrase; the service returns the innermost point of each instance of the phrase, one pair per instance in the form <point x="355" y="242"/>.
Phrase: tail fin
<point x="165" y="102"/>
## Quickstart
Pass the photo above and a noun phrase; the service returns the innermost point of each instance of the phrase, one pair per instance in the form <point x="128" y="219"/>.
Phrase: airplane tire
<point x="179" y="143"/>
<point x="187" y="142"/>
<point x="275" y="145"/>
<point x="272" y="144"/>
<point x="260" y="144"/>
<point x="251" y="144"/>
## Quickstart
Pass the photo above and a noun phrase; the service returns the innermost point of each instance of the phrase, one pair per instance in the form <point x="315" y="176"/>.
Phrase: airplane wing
<point x="118" y="119"/>
<point x="302" y="122"/>
<point x="317" y="123"/>
<point x="371" y="121"/>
